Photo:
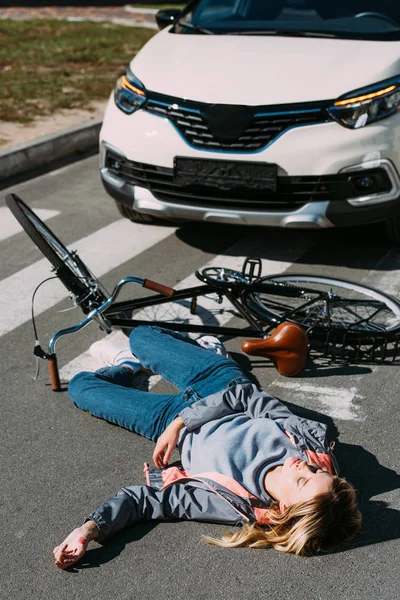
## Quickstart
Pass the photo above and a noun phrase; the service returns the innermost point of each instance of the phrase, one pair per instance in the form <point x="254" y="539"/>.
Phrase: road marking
<point x="102" y="251"/>
<point x="9" y="225"/>
<point x="338" y="403"/>
<point x="208" y="310"/>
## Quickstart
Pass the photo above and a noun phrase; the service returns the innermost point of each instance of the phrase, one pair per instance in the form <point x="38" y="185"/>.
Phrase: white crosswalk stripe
<point x="103" y="250"/>
<point x="9" y="225"/>
<point x="337" y="402"/>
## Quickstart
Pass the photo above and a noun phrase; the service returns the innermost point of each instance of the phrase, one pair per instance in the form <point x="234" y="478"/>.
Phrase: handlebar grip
<point x="158" y="287"/>
<point x="54" y="374"/>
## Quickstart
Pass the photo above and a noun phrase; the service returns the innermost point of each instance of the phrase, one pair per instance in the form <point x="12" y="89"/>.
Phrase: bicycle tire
<point x="68" y="267"/>
<point x="318" y="320"/>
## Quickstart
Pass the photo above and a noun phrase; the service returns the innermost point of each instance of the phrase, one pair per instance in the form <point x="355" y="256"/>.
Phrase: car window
<point x="353" y="19"/>
<point x="217" y="9"/>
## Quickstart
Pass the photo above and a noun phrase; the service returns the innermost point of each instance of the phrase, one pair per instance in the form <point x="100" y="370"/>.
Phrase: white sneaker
<point x="112" y="355"/>
<point x="209" y="342"/>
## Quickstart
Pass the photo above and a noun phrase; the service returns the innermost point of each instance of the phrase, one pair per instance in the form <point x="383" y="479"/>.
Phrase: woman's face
<point x="296" y="481"/>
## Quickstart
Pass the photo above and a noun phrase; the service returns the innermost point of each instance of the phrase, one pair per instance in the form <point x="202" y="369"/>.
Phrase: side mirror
<point x="166" y="17"/>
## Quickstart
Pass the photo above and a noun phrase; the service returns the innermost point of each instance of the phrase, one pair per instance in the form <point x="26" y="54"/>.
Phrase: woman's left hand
<point x="74" y="546"/>
<point x="167" y="442"/>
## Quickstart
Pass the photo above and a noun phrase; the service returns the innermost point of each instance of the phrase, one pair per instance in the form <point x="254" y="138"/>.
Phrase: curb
<point x="141" y="11"/>
<point x="45" y="150"/>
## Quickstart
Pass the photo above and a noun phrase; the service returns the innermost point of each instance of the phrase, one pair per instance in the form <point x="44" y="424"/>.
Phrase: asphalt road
<point x="57" y="463"/>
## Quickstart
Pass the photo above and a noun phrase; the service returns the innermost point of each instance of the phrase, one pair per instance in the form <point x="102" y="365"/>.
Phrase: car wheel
<point x="134" y="215"/>
<point x="392" y="227"/>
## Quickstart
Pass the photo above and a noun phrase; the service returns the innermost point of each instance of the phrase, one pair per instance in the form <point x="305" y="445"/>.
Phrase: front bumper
<point x="313" y="201"/>
<point x="329" y="154"/>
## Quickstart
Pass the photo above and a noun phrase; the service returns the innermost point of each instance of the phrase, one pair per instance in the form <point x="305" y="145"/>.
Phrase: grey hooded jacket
<point x="257" y="426"/>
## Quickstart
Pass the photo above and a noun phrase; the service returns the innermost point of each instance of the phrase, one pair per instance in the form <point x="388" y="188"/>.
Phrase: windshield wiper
<point x="286" y="32"/>
<point x="194" y="27"/>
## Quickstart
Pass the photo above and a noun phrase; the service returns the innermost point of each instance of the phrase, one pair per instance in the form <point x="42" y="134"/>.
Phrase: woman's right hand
<point x="74" y="546"/>
<point x="167" y="442"/>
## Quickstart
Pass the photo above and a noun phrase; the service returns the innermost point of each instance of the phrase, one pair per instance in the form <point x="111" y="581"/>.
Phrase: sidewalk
<point x="13" y="134"/>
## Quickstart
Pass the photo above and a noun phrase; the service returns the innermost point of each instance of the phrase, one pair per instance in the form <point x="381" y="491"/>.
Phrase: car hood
<point x="255" y="70"/>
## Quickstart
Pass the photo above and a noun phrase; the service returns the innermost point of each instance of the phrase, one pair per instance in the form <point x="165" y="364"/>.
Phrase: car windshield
<point x="350" y="19"/>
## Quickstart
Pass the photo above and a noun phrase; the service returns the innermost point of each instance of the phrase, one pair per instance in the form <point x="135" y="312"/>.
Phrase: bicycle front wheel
<point x="69" y="268"/>
<point x="329" y="307"/>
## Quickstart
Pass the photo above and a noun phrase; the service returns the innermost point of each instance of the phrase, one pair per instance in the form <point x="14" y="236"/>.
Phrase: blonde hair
<point x="304" y="528"/>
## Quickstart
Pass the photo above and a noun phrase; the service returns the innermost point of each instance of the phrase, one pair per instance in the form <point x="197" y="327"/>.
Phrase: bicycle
<point x="342" y="319"/>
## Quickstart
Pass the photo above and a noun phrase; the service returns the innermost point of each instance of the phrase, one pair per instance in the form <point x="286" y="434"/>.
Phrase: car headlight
<point x="129" y="93"/>
<point x="367" y="105"/>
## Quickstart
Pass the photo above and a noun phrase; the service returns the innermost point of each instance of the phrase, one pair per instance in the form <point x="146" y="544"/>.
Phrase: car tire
<point x="392" y="228"/>
<point x="134" y="215"/>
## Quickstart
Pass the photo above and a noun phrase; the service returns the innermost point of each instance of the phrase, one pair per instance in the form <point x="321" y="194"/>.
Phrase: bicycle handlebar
<point x="158" y="287"/>
<point x="54" y="374"/>
<point x="147" y="283"/>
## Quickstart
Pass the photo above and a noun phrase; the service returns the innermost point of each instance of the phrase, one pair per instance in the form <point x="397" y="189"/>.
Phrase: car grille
<point x="291" y="193"/>
<point x="232" y="127"/>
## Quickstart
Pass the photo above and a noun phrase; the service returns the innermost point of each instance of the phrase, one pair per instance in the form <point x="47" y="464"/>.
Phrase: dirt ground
<point x="13" y="134"/>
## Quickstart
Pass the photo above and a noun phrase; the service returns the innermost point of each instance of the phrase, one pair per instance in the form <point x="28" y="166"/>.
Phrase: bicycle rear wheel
<point x="86" y="289"/>
<point x="333" y="311"/>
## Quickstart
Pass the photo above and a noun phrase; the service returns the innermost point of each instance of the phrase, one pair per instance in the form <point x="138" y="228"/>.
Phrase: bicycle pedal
<point x="252" y="268"/>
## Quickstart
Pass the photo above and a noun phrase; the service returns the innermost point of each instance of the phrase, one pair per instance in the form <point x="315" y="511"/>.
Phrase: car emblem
<point x="227" y="122"/>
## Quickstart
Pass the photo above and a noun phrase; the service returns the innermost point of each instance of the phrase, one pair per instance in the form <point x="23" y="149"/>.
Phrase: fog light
<point x="113" y="163"/>
<point x="371" y="184"/>
<point x="364" y="184"/>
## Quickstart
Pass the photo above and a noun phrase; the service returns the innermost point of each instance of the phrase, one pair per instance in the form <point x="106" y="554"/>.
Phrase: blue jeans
<point x="196" y="372"/>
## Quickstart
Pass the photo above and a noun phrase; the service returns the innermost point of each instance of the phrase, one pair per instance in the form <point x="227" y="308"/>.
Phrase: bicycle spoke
<point x="365" y="320"/>
<point x="338" y="308"/>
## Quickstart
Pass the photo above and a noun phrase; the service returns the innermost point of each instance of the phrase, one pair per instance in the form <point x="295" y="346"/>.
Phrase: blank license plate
<point x="225" y="174"/>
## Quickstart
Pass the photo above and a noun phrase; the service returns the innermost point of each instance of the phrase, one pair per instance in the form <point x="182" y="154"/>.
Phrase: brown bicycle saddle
<point x="287" y="347"/>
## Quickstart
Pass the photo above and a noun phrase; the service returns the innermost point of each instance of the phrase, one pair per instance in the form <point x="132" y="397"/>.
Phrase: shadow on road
<point x="370" y="478"/>
<point x="311" y="371"/>
<point x="363" y="247"/>
<point x="113" y="547"/>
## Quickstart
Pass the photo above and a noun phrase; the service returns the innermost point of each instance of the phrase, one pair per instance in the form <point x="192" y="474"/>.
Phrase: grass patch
<point x="61" y="65"/>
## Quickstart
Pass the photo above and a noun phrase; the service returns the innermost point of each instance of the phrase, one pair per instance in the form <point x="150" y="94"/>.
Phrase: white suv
<point x="263" y="112"/>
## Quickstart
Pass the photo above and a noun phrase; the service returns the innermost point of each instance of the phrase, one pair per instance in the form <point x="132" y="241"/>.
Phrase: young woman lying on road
<point x="246" y="458"/>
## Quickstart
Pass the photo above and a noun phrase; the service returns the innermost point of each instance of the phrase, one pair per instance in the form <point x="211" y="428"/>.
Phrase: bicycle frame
<point x="106" y="311"/>
<point x="251" y="296"/>
<point x="104" y="315"/>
